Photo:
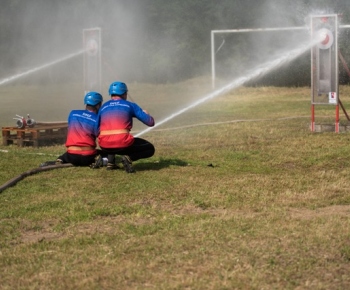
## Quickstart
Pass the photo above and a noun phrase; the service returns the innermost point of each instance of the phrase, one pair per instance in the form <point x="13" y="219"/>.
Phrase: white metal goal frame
<point x="226" y="31"/>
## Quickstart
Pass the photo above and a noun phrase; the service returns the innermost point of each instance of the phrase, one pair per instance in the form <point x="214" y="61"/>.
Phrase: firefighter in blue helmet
<point x="82" y="134"/>
<point x="115" y="121"/>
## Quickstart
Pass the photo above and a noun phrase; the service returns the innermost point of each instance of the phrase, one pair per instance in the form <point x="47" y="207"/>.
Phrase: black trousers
<point x="80" y="160"/>
<point x="140" y="149"/>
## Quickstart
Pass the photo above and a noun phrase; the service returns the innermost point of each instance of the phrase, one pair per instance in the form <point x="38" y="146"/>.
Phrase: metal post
<point x="312" y="118"/>
<point x="212" y="60"/>
<point x="337" y="118"/>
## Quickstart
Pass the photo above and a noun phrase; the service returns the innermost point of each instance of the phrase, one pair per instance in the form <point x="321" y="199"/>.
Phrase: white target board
<point x="324" y="59"/>
<point x="92" y="59"/>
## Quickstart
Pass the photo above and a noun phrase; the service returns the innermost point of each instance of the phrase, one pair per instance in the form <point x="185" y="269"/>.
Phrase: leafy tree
<point x="159" y="40"/>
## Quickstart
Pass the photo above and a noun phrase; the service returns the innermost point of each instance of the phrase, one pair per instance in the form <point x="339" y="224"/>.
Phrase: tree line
<point x="161" y="40"/>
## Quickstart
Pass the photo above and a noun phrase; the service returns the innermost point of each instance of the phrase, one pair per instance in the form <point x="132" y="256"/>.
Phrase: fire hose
<point x="18" y="178"/>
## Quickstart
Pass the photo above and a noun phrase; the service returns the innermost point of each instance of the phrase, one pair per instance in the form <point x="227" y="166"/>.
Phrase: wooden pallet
<point x="39" y="135"/>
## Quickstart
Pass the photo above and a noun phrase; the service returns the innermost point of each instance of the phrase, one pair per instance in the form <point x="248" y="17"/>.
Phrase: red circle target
<point x="326" y="38"/>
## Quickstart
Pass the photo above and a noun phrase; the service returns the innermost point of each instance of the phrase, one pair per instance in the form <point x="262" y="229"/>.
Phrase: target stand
<point x="92" y="59"/>
<point x="325" y="71"/>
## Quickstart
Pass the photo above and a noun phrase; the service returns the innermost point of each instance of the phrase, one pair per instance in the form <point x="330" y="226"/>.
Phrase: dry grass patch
<point x="240" y="195"/>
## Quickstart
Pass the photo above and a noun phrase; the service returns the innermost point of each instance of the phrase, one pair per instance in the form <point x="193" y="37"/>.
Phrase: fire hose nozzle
<point x="31" y="122"/>
<point x="21" y="123"/>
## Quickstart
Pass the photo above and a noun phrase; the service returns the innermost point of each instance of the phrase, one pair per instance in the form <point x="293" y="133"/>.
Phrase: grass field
<point x="239" y="195"/>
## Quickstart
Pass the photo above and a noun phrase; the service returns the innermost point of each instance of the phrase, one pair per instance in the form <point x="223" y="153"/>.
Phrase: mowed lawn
<point x="239" y="195"/>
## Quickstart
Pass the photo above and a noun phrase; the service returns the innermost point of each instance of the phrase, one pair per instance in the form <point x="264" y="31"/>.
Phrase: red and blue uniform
<point x="116" y="117"/>
<point x="115" y="120"/>
<point x="82" y="132"/>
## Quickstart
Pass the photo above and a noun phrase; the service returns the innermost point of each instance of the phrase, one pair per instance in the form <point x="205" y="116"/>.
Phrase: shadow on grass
<point x="160" y="164"/>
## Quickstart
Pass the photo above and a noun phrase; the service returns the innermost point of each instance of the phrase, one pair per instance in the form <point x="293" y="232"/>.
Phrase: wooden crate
<point x="39" y="135"/>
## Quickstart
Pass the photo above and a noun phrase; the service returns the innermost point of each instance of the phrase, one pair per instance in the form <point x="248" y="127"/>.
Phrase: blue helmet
<point x="92" y="99"/>
<point x="117" y="88"/>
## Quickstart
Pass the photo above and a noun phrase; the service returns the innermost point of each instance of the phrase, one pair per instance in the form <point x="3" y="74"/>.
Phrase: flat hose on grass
<point x="14" y="180"/>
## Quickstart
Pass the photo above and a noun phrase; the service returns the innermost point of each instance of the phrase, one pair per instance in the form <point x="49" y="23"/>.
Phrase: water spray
<point x="255" y="73"/>
<point x="324" y="38"/>
<point x="17" y="76"/>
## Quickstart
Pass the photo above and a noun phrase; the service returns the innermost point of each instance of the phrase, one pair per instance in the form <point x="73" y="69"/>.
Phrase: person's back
<point x="82" y="134"/>
<point x="115" y="120"/>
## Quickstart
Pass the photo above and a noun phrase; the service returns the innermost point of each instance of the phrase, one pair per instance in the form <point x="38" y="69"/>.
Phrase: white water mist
<point x="33" y="70"/>
<point x="259" y="71"/>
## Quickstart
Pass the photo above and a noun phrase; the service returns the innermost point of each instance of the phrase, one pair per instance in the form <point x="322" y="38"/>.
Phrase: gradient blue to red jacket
<point x="118" y="114"/>
<point x="82" y="131"/>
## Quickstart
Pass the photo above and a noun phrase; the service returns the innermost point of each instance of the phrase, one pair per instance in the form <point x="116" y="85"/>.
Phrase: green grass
<point x="239" y="195"/>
